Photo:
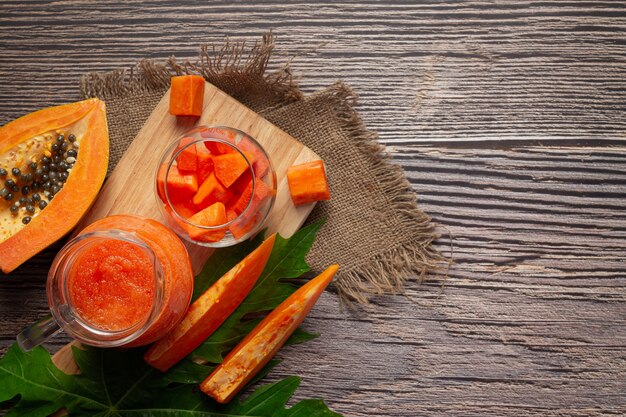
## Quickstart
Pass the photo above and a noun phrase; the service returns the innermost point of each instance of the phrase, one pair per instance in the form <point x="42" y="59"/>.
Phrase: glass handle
<point x="37" y="333"/>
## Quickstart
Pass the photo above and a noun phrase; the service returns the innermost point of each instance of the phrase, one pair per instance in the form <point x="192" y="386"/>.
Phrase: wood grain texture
<point x="136" y="170"/>
<point x="509" y="119"/>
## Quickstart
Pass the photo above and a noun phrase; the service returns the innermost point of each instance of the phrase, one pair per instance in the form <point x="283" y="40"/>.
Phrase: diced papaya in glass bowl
<point x="215" y="186"/>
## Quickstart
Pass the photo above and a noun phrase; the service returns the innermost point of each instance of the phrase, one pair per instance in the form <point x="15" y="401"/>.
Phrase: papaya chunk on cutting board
<point x="186" y="95"/>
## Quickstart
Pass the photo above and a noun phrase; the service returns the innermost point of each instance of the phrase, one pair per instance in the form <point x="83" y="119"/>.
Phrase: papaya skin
<point x="81" y="188"/>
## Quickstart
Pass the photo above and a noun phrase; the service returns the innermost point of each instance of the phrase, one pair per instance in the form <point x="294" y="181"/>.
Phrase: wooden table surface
<point x="510" y="120"/>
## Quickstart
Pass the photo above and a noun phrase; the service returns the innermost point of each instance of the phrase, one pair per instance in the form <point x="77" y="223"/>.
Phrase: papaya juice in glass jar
<point x="123" y="281"/>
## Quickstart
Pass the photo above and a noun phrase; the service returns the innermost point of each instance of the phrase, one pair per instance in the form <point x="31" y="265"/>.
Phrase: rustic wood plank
<point x="424" y="69"/>
<point x="470" y="95"/>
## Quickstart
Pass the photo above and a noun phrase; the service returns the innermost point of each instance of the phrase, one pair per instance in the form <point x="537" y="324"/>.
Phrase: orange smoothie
<point x="112" y="285"/>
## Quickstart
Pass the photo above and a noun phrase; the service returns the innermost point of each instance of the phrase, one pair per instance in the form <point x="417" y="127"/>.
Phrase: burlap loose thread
<point x="374" y="228"/>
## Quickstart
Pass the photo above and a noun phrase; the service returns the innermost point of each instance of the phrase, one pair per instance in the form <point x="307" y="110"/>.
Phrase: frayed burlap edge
<point x="414" y="255"/>
<point x="231" y="61"/>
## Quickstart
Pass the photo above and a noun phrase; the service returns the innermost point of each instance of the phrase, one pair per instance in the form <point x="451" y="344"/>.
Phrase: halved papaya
<point x="52" y="165"/>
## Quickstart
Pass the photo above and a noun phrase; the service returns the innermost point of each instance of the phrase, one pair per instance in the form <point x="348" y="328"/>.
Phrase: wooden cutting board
<point x="130" y="188"/>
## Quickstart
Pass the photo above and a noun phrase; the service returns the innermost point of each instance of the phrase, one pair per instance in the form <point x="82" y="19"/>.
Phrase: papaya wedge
<point x="210" y="310"/>
<point x="262" y="343"/>
<point x="57" y="197"/>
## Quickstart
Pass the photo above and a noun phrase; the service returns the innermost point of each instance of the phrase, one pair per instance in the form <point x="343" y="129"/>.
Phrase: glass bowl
<point x="215" y="186"/>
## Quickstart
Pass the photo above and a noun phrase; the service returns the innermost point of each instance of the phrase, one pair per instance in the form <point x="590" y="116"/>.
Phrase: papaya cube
<point x="261" y="167"/>
<point x="230" y="166"/>
<point x="242" y="182"/>
<point x="242" y="225"/>
<point x="205" y="165"/>
<point x="261" y="193"/>
<point x="184" y="208"/>
<point x="308" y="183"/>
<point x="260" y="163"/>
<point x="214" y="215"/>
<point x="187" y="159"/>
<point x="211" y="191"/>
<point x="218" y="148"/>
<point x="187" y="95"/>
<point x="179" y="185"/>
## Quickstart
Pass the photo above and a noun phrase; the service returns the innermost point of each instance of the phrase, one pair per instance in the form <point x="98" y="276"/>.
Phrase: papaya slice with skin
<point x="61" y="198"/>
<point x="261" y="344"/>
<point x="210" y="310"/>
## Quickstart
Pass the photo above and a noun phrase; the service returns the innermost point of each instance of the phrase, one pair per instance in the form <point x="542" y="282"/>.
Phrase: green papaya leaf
<point x="41" y="386"/>
<point x="117" y="383"/>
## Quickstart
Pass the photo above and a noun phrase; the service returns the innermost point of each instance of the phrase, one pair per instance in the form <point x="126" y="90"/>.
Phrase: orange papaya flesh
<point x="211" y="191"/>
<point x="308" y="183"/>
<point x="180" y="186"/>
<point x="262" y="343"/>
<point x="210" y="310"/>
<point x="185" y="208"/>
<point x="60" y="199"/>
<point x="215" y="147"/>
<point x="229" y="167"/>
<point x="243" y="224"/>
<point x="260" y="164"/>
<point x="261" y="193"/>
<point x="187" y="159"/>
<point x="242" y="183"/>
<point x="205" y="165"/>
<point x="219" y="148"/>
<point x="187" y="95"/>
<point x="214" y="215"/>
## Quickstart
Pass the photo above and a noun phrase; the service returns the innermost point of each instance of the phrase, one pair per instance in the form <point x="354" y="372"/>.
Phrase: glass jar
<point x="123" y="281"/>
<point x="215" y="186"/>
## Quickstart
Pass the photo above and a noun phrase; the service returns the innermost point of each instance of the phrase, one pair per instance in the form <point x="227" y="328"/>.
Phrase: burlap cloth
<point x="374" y="228"/>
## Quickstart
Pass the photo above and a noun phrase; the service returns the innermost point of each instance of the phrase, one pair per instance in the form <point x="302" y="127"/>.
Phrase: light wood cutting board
<point x="130" y="188"/>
